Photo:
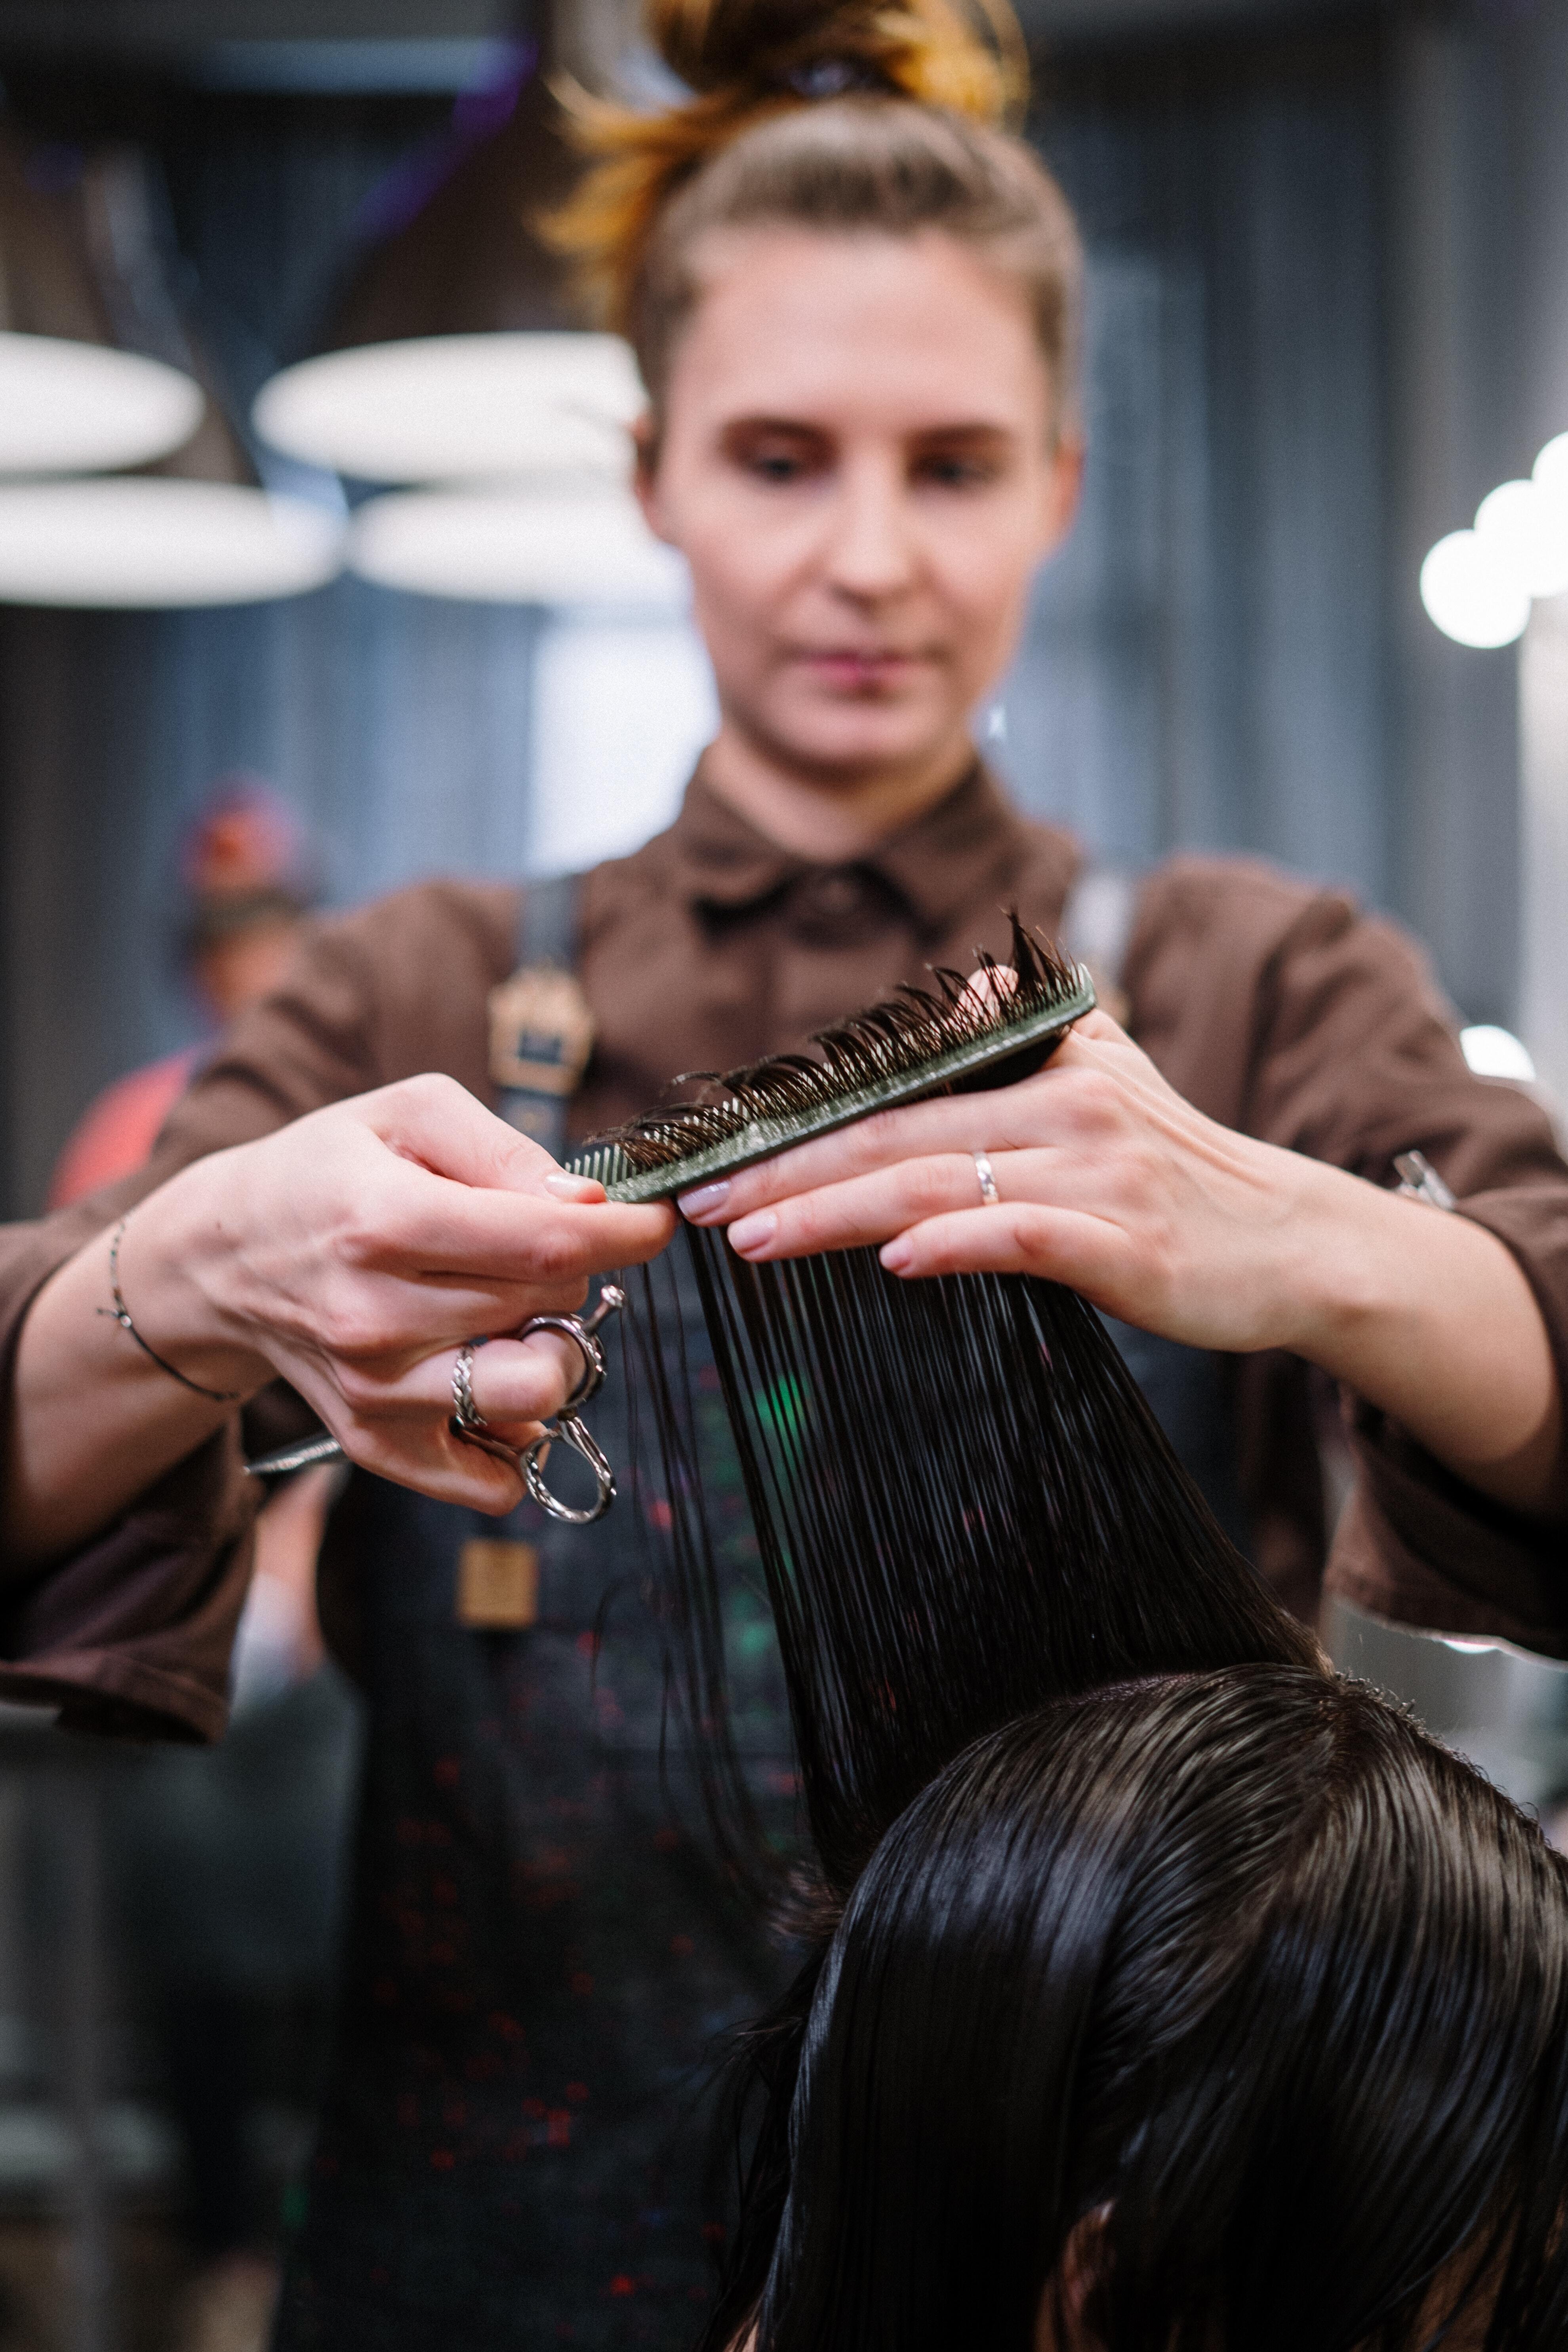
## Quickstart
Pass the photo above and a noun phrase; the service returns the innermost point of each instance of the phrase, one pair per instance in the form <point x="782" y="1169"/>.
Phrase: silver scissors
<point x="566" y="1429"/>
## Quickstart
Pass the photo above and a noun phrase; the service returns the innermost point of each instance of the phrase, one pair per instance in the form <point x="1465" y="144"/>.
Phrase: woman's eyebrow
<point x="977" y="433"/>
<point x="795" y="426"/>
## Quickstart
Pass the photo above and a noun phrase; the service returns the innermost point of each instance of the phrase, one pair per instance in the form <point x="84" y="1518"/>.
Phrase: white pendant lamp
<point x="1471" y="593"/>
<point x="79" y="408"/>
<point x="156" y="541"/>
<point x="515" y="543"/>
<point x="440" y="408"/>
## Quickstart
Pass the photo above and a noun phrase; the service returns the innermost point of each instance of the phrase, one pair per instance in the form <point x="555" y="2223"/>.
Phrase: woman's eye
<point x="772" y="464"/>
<point x="953" y="473"/>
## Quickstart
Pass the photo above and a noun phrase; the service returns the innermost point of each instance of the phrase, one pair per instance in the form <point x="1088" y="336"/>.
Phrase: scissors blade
<point x="298" y="1457"/>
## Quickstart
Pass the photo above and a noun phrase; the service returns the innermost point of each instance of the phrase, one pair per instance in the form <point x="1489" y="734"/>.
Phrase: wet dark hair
<point x="1139" y="1944"/>
<point x="1239" y="1974"/>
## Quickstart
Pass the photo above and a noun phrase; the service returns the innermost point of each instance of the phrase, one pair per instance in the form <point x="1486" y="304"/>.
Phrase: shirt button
<point x="838" y="894"/>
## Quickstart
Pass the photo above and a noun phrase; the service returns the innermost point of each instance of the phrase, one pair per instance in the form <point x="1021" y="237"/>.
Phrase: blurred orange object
<point x="116" y="1133"/>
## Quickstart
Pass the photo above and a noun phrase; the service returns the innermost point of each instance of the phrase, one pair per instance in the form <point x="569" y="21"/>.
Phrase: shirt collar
<point x="938" y="865"/>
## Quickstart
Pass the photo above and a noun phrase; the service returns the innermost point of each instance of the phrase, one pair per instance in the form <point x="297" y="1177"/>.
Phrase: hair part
<point x="845" y="120"/>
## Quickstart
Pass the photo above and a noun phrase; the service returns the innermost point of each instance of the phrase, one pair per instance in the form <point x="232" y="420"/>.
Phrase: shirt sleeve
<point x="1348" y="1051"/>
<point x="131" y="1634"/>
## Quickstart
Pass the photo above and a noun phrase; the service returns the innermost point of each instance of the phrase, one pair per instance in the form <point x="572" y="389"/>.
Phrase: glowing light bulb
<point x="1471" y="594"/>
<point x="1551" y="467"/>
<point x="1525" y="525"/>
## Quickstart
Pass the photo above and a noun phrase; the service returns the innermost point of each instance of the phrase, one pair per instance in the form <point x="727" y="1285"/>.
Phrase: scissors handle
<point x="566" y="1429"/>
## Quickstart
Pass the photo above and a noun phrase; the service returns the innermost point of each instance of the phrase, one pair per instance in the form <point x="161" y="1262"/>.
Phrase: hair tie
<point x="833" y="78"/>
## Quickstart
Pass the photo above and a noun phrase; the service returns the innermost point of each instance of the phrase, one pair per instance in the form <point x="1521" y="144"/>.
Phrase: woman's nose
<point x="870" y="553"/>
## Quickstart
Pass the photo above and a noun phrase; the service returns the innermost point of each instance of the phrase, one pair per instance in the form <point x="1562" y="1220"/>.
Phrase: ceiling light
<point x="1471" y="594"/>
<point x="160" y="542"/>
<point x="1494" y="1052"/>
<point x="515" y="544"/>
<point x="1525" y="525"/>
<point x="457" y="407"/>
<point x="75" y="408"/>
<point x="1551" y="467"/>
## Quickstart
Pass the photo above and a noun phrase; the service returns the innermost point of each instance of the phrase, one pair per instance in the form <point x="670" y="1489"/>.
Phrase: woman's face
<point x="858" y="461"/>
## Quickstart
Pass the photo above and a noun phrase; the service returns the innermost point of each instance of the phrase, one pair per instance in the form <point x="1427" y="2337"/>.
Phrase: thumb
<point x="439" y="1125"/>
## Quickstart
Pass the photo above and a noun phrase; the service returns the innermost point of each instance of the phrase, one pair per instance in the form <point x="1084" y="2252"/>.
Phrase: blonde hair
<point x="843" y="117"/>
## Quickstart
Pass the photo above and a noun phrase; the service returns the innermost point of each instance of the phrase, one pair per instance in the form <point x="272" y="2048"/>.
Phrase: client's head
<point x="1202" y="2014"/>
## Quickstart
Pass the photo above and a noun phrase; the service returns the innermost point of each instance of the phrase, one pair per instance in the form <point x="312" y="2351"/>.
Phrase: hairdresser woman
<point x="854" y="305"/>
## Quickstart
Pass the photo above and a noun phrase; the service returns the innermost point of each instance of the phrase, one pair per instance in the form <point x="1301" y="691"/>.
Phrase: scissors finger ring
<point x="470" y="1425"/>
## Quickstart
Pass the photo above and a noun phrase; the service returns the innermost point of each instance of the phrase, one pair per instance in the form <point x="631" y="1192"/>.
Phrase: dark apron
<point x="543" y="1962"/>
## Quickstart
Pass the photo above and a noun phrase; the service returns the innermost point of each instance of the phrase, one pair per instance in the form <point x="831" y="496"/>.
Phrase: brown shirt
<point x="1275" y="1006"/>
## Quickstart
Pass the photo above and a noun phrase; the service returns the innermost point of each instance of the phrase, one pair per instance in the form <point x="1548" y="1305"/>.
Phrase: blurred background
<point x="277" y="631"/>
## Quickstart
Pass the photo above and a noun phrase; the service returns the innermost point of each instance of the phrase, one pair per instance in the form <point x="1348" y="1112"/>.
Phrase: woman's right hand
<point x="353" y="1253"/>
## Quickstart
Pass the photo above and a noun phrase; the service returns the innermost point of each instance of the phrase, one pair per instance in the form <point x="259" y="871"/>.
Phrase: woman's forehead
<point x="919" y="330"/>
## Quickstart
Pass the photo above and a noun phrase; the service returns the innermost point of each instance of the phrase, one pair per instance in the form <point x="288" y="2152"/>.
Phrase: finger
<point x="439" y="1124"/>
<point x="1036" y="1111"/>
<point x="1086" y="1253"/>
<point x="443" y="1466"/>
<point x="863" y="1209"/>
<point x="442" y="1226"/>
<point x="883" y="1141"/>
<point x="511" y="1382"/>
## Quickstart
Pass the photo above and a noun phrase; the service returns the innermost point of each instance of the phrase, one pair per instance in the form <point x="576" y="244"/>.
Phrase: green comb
<point x="950" y="1038"/>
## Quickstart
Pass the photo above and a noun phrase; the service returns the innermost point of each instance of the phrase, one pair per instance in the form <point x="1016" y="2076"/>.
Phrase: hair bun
<point x="966" y="54"/>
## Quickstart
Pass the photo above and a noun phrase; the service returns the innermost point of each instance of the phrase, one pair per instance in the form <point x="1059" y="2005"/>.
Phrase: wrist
<point x="1348" y="1269"/>
<point x="174" y="1262"/>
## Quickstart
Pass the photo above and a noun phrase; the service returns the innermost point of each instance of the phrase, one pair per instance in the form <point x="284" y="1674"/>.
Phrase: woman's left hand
<point x="1111" y="1182"/>
<point x="1107" y="1181"/>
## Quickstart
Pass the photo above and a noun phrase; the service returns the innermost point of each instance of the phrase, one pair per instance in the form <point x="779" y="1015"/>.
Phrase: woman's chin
<point x="867" y="742"/>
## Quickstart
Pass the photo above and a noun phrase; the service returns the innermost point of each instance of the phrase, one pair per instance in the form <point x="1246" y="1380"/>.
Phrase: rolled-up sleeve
<point x="133" y="1633"/>
<point x="1287" y="1012"/>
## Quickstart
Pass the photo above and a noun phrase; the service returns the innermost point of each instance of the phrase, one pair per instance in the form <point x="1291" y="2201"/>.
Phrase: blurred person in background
<point x="247" y="877"/>
<point x="855" y="299"/>
<point x="226" y="1861"/>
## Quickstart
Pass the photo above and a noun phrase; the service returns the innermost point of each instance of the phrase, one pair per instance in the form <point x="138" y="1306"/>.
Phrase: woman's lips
<point x="856" y="671"/>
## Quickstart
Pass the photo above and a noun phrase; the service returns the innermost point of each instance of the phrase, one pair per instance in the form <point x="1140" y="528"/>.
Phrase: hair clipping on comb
<point x="954" y="1035"/>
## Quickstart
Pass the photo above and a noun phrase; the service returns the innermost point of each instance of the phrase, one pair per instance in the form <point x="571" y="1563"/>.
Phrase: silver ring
<point x="463" y="1406"/>
<point x="468" y="1423"/>
<point x="988" y="1192"/>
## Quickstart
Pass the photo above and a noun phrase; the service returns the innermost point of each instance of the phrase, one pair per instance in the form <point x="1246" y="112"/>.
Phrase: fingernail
<point x="753" y="1233"/>
<point x="898" y="1254"/>
<point x="704" y="1200"/>
<point x="573" y="1188"/>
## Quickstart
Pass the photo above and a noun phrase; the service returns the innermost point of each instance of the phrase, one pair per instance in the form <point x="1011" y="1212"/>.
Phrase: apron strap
<point x="541" y="1029"/>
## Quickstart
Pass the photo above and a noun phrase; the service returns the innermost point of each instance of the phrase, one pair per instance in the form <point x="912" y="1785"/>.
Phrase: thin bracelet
<point x="120" y="1313"/>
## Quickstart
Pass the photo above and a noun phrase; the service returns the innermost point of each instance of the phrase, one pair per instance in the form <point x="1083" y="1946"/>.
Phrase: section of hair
<point x="963" y="1508"/>
<point x="1241" y="1972"/>
<point x="804" y="116"/>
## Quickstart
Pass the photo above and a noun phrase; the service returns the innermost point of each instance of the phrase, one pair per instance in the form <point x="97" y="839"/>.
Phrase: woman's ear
<point x="1063" y="490"/>
<point x="1063" y="2324"/>
<point x="644" y="474"/>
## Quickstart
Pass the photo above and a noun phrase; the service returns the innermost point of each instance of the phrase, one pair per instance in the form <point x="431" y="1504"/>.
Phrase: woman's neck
<point x="829" y="820"/>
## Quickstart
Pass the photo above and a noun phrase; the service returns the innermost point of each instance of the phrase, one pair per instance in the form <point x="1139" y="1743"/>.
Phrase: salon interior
<point x="321" y="574"/>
